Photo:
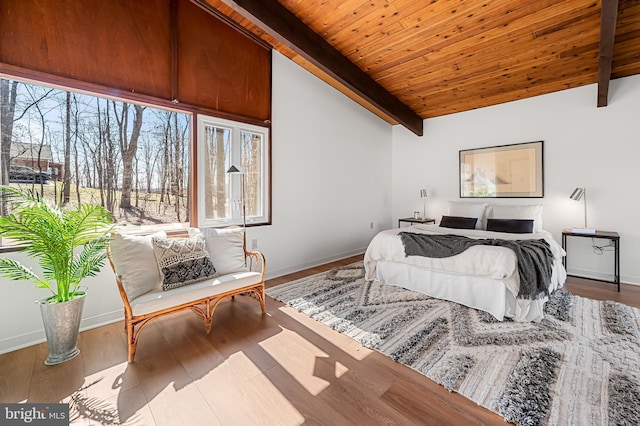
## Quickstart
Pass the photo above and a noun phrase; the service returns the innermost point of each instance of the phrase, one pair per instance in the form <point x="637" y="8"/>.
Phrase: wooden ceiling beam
<point x="289" y="30"/>
<point x="608" y="17"/>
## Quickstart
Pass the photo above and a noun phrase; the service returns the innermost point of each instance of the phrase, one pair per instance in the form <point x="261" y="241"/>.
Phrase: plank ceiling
<point x="444" y="56"/>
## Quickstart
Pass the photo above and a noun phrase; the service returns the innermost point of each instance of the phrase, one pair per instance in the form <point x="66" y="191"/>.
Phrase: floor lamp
<point x="233" y="170"/>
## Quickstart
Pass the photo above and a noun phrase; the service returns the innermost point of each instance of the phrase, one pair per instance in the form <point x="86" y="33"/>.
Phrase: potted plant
<point x="69" y="244"/>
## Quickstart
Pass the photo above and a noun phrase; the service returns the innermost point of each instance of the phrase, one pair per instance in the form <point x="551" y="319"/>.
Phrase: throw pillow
<point x="458" y="222"/>
<point x="182" y="261"/>
<point x="226" y="248"/>
<point x="514" y="226"/>
<point x="135" y="262"/>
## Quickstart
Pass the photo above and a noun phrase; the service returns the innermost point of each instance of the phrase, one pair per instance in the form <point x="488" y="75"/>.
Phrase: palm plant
<point x="69" y="243"/>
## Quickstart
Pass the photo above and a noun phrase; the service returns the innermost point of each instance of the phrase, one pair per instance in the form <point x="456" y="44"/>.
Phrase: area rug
<point x="579" y="366"/>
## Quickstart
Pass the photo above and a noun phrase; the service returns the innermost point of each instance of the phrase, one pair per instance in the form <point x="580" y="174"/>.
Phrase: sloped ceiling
<point x="440" y="57"/>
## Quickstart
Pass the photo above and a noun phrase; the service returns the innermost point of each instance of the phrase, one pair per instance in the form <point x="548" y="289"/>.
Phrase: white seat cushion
<point x="158" y="299"/>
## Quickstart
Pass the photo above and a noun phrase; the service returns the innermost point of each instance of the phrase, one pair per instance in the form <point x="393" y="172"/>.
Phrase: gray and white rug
<point x="579" y="366"/>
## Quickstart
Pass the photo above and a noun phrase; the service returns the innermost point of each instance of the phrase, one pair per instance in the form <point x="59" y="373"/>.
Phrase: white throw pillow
<point x="534" y="212"/>
<point x="469" y="209"/>
<point x="135" y="261"/>
<point x="226" y="248"/>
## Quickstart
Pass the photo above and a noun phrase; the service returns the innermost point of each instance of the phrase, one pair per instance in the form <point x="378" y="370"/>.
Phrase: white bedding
<point x="482" y="277"/>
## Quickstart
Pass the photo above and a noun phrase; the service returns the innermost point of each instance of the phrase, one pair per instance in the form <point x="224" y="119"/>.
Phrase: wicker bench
<point x="139" y="279"/>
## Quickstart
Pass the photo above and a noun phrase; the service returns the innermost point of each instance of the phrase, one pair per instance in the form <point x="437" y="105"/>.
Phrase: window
<point x="73" y="147"/>
<point x="221" y="144"/>
<point x="132" y="159"/>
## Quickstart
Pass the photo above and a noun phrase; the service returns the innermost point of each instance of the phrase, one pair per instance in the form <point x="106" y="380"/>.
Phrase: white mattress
<point x="482" y="277"/>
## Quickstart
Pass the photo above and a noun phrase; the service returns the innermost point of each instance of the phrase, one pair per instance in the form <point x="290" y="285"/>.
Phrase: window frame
<point x="234" y="185"/>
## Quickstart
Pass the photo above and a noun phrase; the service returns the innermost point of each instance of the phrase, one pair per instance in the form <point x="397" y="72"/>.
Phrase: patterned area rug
<point x="579" y="366"/>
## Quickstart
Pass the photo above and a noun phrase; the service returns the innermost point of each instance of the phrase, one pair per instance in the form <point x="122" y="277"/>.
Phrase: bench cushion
<point x="158" y="299"/>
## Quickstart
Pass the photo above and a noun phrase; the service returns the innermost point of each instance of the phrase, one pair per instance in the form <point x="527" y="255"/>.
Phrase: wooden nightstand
<point x="414" y="220"/>
<point x="612" y="236"/>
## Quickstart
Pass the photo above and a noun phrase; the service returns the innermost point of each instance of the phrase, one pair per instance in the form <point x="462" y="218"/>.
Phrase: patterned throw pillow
<point x="182" y="261"/>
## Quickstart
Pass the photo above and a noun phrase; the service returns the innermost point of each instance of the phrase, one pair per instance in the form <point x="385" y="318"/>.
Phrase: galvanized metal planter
<point x="61" y="326"/>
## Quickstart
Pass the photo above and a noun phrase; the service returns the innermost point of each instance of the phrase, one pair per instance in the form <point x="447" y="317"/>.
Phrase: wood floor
<point x="279" y="369"/>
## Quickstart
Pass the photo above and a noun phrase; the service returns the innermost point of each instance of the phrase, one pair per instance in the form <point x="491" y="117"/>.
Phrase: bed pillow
<point x="513" y="226"/>
<point x="458" y="222"/>
<point x="182" y="261"/>
<point x="135" y="261"/>
<point x="466" y="209"/>
<point x="533" y="212"/>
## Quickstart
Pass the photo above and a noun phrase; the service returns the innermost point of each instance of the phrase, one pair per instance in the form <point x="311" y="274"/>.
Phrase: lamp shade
<point x="423" y="193"/>
<point x="233" y="169"/>
<point x="577" y="194"/>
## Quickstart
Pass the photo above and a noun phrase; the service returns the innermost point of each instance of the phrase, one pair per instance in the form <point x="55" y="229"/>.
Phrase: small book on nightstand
<point x="583" y="230"/>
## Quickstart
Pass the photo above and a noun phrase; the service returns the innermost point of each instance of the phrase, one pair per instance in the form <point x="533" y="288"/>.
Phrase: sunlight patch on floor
<point x="295" y="354"/>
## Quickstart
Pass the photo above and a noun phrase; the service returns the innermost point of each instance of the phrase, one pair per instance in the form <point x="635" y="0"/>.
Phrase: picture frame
<point x="503" y="171"/>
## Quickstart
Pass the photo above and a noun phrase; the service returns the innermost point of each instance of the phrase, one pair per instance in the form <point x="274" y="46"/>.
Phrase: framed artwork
<point x="506" y="171"/>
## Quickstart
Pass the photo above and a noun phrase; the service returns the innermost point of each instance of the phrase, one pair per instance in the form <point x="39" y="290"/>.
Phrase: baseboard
<point x="312" y="263"/>
<point x="20" y="341"/>
<point x="34" y="337"/>
<point x="102" y="319"/>
<point x="587" y="274"/>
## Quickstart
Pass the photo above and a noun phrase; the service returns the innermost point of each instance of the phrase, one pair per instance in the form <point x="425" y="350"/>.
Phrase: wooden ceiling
<point x="444" y="56"/>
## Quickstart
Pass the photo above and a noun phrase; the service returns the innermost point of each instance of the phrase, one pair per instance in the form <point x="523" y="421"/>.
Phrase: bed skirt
<point x="486" y="294"/>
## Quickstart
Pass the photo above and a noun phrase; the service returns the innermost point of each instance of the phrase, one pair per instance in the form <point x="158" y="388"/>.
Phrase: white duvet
<point x="490" y="266"/>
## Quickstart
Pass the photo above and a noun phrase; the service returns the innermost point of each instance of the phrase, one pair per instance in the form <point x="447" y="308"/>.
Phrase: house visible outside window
<point x="221" y="144"/>
<point x="132" y="159"/>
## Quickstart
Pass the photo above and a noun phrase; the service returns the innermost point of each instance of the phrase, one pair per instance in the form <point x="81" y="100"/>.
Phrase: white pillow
<point x="135" y="261"/>
<point x="469" y="209"/>
<point x="226" y="248"/>
<point x="534" y="212"/>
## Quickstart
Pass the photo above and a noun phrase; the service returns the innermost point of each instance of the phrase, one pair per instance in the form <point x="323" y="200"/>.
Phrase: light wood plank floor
<point x="279" y="369"/>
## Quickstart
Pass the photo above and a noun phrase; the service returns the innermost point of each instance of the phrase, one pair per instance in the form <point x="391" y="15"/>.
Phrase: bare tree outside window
<point x="72" y="148"/>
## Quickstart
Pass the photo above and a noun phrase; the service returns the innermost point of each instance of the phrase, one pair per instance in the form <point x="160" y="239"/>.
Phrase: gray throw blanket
<point x="535" y="258"/>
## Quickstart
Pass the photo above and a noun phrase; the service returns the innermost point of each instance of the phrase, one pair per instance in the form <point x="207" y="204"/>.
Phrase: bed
<point x="481" y="277"/>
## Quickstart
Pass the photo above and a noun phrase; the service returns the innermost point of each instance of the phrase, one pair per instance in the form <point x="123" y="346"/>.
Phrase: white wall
<point x="597" y="148"/>
<point x="331" y="173"/>
<point x="331" y="178"/>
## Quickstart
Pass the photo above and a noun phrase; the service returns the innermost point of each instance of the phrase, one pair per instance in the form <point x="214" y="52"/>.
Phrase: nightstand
<point x="414" y="220"/>
<point x="612" y="236"/>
